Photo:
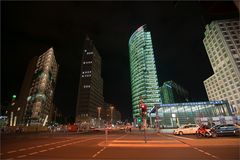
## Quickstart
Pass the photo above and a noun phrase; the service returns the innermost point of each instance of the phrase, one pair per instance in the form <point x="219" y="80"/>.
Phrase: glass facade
<point x="172" y="115"/>
<point x="173" y="93"/>
<point x="144" y="82"/>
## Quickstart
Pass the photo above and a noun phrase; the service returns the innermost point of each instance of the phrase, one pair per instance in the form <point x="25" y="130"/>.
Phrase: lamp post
<point x="99" y="113"/>
<point x="111" y="110"/>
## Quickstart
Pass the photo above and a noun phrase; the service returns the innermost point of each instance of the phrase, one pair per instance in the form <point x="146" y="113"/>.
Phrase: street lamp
<point x="111" y="109"/>
<point x="99" y="112"/>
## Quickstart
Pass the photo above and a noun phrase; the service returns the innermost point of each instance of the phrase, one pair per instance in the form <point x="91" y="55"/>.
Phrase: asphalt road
<point x="119" y="145"/>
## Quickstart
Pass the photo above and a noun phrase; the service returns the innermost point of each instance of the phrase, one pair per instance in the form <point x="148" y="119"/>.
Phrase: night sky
<point x="28" y="29"/>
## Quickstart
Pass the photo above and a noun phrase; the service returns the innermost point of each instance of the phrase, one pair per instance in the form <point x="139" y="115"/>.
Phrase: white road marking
<point x="39" y="146"/>
<point x="52" y="143"/>
<point x="43" y="150"/>
<point x="205" y="152"/>
<point x="194" y="147"/>
<point x="63" y="145"/>
<point x="11" y="151"/>
<point x="21" y="156"/>
<point x="23" y="149"/>
<point x="32" y="153"/>
<point x="181" y="137"/>
<point x="98" y="152"/>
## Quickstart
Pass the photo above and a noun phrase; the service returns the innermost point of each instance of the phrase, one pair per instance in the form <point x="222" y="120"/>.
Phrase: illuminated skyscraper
<point x="90" y="91"/>
<point x="40" y="97"/>
<point x="144" y="82"/>
<point x="223" y="48"/>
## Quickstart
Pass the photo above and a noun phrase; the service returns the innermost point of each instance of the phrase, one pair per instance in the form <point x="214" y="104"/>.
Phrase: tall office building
<point x="90" y="91"/>
<point x="144" y="81"/>
<point x="21" y="102"/>
<point x="40" y="96"/>
<point x="171" y="92"/>
<point x="223" y="48"/>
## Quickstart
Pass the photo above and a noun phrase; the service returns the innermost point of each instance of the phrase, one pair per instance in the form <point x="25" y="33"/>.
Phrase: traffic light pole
<point x="144" y="126"/>
<point x="143" y="108"/>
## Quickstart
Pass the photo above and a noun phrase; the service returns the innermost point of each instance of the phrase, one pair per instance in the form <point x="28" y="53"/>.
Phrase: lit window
<point x="86" y="86"/>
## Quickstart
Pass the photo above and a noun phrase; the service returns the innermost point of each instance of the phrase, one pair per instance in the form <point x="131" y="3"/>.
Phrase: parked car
<point x="186" y="129"/>
<point x="226" y="129"/>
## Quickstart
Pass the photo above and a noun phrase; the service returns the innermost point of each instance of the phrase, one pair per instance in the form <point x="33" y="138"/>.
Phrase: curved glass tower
<point x="144" y="82"/>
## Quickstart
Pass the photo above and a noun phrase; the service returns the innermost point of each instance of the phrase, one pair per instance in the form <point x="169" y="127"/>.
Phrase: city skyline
<point x="166" y="41"/>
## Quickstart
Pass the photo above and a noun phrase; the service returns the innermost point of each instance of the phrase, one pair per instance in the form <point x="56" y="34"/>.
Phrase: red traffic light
<point x="144" y="108"/>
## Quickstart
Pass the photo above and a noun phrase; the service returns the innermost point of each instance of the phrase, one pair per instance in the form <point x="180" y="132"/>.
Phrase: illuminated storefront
<point x="177" y="114"/>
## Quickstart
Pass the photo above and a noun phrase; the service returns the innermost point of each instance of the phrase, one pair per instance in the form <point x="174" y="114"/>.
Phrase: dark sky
<point x="29" y="28"/>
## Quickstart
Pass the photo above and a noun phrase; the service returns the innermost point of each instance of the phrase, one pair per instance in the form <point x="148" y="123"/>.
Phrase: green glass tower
<point x="144" y="82"/>
<point x="172" y="92"/>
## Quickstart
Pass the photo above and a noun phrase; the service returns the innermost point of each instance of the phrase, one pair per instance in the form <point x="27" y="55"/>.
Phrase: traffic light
<point x="139" y="120"/>
<point x="13" y="100"/>
<point x="143" y="107"/>
<point x="14" y="96"/>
